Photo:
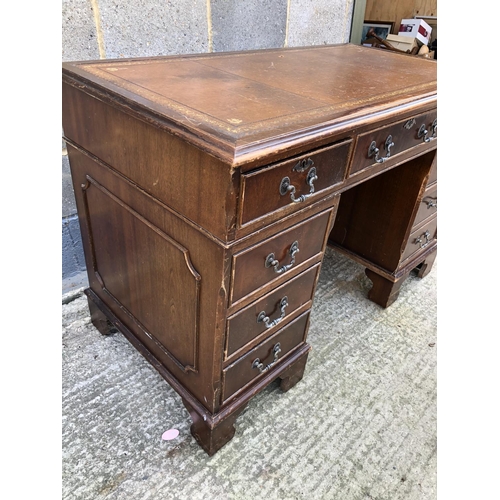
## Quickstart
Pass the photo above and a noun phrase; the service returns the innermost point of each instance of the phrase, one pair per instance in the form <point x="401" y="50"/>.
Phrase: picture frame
<point x="382" y="29"/>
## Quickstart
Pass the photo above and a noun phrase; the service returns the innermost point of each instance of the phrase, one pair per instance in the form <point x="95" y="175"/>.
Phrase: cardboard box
<point x="417" y="28"/>
<point x="402" y="42"/>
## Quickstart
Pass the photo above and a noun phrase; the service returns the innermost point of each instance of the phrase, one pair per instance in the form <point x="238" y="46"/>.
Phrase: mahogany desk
<point x="208" y="187"/>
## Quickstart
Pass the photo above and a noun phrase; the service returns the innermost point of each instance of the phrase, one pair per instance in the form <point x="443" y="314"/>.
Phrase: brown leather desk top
<point x="237" y="105"/>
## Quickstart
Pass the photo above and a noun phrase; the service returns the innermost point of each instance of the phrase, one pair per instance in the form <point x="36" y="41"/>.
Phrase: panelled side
<point x="163" y="279"/>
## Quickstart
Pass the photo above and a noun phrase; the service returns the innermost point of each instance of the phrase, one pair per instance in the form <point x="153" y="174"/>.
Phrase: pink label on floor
<point x="170" y="434"/>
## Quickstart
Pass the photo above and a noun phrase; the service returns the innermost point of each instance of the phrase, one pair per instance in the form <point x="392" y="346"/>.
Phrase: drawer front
<point x="420" y="239"/>
<point x="294" y="182"/>
<point x="264" y="357"/>
<point x="264" y="316"/>
<point x="428" y="205"/>
<point x="393" y="139"/>
<point x="279" y="255"/>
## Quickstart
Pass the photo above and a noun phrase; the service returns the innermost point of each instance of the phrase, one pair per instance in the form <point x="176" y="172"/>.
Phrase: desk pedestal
<point x="389" y="225"/>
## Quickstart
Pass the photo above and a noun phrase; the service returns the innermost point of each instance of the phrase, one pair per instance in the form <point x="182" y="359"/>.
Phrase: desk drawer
<point x="402" y="135"/>
<point x="428" y="205"/>
<point x="293" y="182"/>
<point x="245" y="370"/>
<point x="280" y="255"/>
<point x="420" y="239"/>
<point x="249" y="325"/>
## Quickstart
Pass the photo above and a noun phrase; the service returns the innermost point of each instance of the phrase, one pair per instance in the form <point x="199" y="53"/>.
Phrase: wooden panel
<point x="425" y="8"/>
<point x="151" y="276"/>
<point x="388" y="10"/>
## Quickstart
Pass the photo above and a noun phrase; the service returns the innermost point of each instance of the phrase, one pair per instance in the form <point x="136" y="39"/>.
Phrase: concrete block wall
<point x="107" y="29"/>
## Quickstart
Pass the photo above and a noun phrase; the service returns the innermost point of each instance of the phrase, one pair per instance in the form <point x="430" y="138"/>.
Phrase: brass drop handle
<point x="287" y="187"/>
<point x="434" y="128"/>
<point x="430" y="201"/>
<point x="374" y="151"/>
<point x="260" y="366"/>
<point x="423" y="133"/>
<point x="272" y="262"/>
<point x="264" y="318"/>
<point x="420" y="241"/>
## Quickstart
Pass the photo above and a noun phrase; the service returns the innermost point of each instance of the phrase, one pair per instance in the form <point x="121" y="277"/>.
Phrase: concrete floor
<point x="361" y="425"/>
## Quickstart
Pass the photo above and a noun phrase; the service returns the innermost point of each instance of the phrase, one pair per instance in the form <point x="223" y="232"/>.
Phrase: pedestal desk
<point x="208" y="187"/>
